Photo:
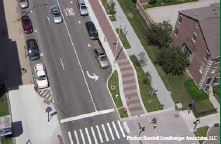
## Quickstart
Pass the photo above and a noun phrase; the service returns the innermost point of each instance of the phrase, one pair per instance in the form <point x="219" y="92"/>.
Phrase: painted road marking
<point x="76" y="136"/>
<point x="71" y="2"/>
<point x="62" y="64"/>
<point x="87" y="115"/>
<point x="65" y="12"/>
<point x="49" y="21"/>
<point x="121" y="129"/>
<point x="99" y="133"/>
<point x="92" y="100"/>
<point x="93" y="133"/>
<point x="88" y="136"/>
<point x="69" y="134"/>
<point x="105" y="133"/>
<point x="70" y="11"/>
<point x="47" y="95"/>
<point x="89" y="45"/>
<point x="116" y="130"/>
<point x="82" y="136"/>
<point x="110" y="130"/>
<point x="50" y="98"/>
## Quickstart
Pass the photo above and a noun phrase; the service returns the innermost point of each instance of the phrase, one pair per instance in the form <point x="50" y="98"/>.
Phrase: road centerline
<point x="86" y="115"/>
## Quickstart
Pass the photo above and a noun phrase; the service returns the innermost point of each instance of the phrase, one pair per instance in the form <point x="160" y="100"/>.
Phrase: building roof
<point x="209" y="21"/>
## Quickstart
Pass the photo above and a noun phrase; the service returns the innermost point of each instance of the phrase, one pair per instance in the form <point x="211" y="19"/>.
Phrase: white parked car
<point x="40" y="76"/>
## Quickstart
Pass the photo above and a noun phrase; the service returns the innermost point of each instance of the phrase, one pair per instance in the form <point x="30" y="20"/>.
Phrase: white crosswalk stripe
<point x="116" y="130"/>
<point x="88" y="136"/>
<point x="82" y="136"/>
<point x="99" y="133"/>
<point x="93" y="133"/>
<point x="110" y="130"/>
<point x="76" y="136"/>
<point x="105" y="133"/>
<point x="121" y="129"/>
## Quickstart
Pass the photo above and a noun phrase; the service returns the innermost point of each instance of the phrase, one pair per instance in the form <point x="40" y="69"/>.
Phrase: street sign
<point x="48" y="109"/>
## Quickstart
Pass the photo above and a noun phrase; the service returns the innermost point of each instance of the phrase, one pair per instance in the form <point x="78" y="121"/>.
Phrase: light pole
<point x="117" y="40"/>
<point x="32" y="9"/>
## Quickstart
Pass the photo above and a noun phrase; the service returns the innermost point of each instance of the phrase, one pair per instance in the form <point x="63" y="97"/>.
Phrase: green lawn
<point x="202" y="132"/>
<point x="7" y="139"/>
<point x="175" y="84"/>
<point x="154" y="105"/>
<point x="123" y="39"/>
<point x="167" y="2"/>
<point x="217" y="92"/>
<point x="123" y="114"/>
<point x="3" y="103"/>
<point x="112" y="18"/>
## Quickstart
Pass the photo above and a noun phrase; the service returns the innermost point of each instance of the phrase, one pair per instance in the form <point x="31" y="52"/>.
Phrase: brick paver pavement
<point x="127" y="73"/>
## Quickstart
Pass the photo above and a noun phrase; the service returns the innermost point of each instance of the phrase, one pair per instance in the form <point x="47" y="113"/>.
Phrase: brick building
<point x="197" y="34"/>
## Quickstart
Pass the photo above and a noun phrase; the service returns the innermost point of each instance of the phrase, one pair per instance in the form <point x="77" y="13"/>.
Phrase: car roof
<point x="99" y="50"/>
<point x="91" y="25"/>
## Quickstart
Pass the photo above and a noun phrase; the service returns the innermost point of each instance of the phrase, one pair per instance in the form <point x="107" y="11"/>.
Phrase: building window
<point x="216" y="80"/>
<point x="186" y="51"/>
<point x="176" y="30"/>
<point x="202" y="68"/>
<point x="208" y="80"/>
<point x="180" y="19"/>
<point x="207" y="56"/>
<point x="194" y="37"/>
<point x="214" y="70"/>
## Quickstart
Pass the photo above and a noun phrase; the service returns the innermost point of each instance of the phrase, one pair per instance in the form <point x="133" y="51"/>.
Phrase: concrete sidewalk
<point x="29" y="117"/>
<point x="136" y="47"/>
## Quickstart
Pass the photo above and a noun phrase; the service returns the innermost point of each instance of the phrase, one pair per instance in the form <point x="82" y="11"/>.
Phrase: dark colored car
<point x="33" y="51"/>
<point x="27" y="25"/>
<point x="92" y="30"/>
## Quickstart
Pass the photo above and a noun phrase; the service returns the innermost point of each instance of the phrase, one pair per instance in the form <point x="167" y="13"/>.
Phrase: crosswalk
<point x="46" y="93"/>
<point x="97" y="134"/>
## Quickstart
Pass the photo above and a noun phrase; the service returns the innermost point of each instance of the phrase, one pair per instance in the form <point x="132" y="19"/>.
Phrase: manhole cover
<point x="130" y="15"/>
<point x="113" y="87"/>
<point x="176" y="115"/>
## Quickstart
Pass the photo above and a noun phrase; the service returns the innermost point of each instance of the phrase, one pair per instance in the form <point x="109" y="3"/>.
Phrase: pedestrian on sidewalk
<point x="154" y="126"/>
<point x="198" y="121"/>
<point x="24" y="70"/>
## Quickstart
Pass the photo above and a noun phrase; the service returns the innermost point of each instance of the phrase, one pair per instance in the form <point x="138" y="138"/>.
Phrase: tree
<point x="111" y="6"/>
<point x="142" y="59"/>
<point x="172" y="60"/>
<point x="159" y="34"/>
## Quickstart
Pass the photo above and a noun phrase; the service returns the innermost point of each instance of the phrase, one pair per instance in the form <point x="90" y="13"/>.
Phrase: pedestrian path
<point x="128" y="80"/>
<point x="46" y="94"/>
<point x="164" y="96"/>
<point x="112" y="131"/>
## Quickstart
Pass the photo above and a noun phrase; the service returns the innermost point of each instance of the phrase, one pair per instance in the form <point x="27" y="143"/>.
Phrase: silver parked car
<point x="23" y="4"/>
<point x="101" y="56"/>
<point x="55" y="11"/>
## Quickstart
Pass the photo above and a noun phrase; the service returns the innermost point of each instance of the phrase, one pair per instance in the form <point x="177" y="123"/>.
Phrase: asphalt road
<point x="68" y="55"/>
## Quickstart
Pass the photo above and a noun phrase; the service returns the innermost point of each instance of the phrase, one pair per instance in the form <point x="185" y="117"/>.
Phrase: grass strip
<point x="201" y="132"/>
<point x="123" y="38"/>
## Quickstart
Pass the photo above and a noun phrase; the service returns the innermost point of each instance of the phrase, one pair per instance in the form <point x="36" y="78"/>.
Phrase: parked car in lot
<point x="101" y="56"/>
<point x="83" y="8"/>
<point x="92" y="30"/>
<point x="56" y="14"/>
<point x="27" y="25"/>
<point x="23" y="4"/>
<point x="40" y="76"/>
<point x="33" y="51"/>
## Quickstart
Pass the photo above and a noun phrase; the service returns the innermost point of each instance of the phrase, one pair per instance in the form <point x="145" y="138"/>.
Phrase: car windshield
<point x="57" y="13"/>
<point x="93" y="31"/>
<point x="83" y="7"/>
<point x="22" y="0"/>
<point x="27" y="24"/>
<point x="103" y="58"/>
<point x="42" y="77"/>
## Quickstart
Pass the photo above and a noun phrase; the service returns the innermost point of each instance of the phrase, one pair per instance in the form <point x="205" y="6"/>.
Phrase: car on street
<point x="27" y="24"/>
<point x="92" y="31"/>
<point x="83" y="8"/>
<point x="40" y="76"/>
<point x="56" y="14"/>
<point x="33" y="51"/>
<point x="23" y="4"/>
<point x="101" y="56"/>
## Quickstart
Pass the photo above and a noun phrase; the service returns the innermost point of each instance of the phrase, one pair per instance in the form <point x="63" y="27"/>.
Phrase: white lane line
<point x="49" y="21"/>
<point x="47" y="95"/>
<point x="105" y="133"/>
<point x="82" y="136"/>
<point x="50" y="98"/>
<point x="121" y="129"/>
<point x="88" y="136"/>
<point x="116" y="130"/>
<point x="78" y="59"/>
<point x="62" y="64"/>
<point x="93" y="133"/>
<point x="44" y="94"/>
<point x="99" y="133"/>
<point x="76" y="136"/>
<point x="41" y="92"/>
<point x="87" y="115"/>
<point x="110" y="130"/>
<point x="69" y="134"/>
<point x="65" y="12"/>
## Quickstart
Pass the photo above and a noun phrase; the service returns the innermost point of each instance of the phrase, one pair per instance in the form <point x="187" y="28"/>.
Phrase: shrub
<point x="134" y="1"/>
<point x="151" y="1"/>
<point x="217" y="90"/>
<point x="194" y="92"/>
